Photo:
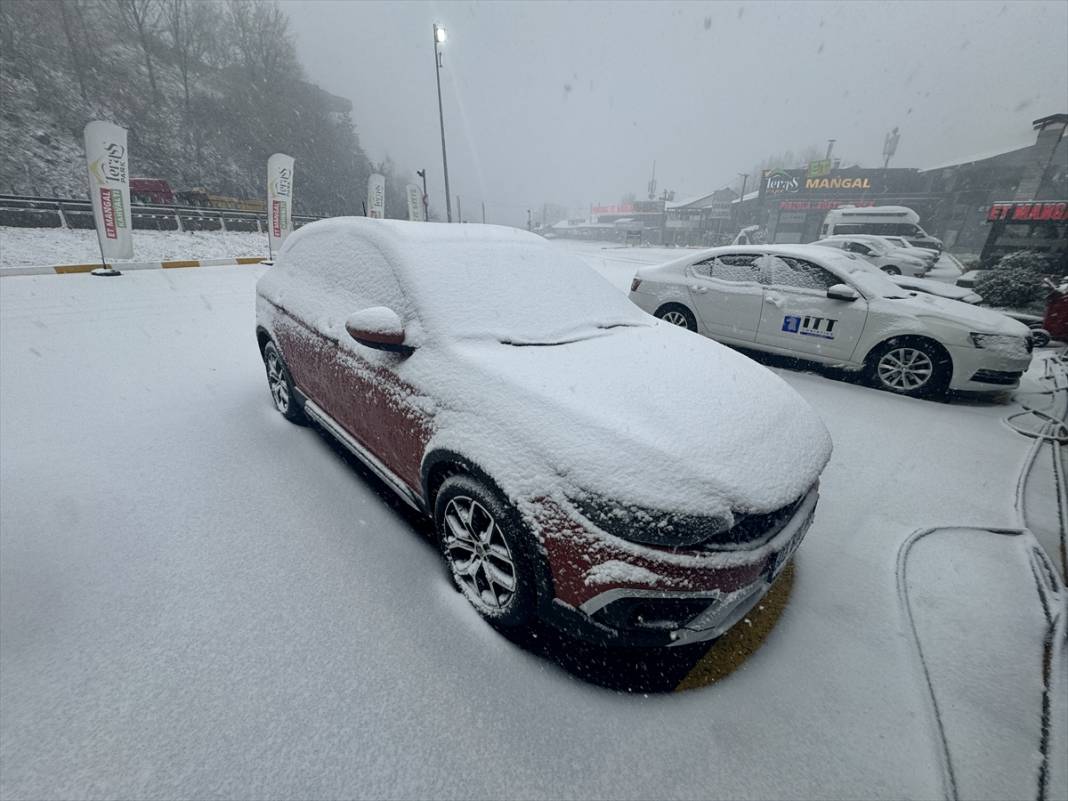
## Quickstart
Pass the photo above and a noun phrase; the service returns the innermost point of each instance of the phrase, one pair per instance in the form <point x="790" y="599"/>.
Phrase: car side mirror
<point x="842" y="292"/>
<point x="380" y="328"/>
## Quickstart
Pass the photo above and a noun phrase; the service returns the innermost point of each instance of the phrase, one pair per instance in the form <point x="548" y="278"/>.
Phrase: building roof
<point x="700" y="201"/>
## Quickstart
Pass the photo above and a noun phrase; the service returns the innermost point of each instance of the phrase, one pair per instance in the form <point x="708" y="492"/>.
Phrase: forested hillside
<point x="207" y="88"/>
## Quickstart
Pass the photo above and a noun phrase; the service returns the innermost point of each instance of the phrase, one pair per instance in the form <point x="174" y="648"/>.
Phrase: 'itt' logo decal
<point x="822" y="327"/>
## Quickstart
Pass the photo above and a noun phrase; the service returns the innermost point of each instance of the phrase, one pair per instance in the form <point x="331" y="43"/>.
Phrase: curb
<point x="68" y="269"/>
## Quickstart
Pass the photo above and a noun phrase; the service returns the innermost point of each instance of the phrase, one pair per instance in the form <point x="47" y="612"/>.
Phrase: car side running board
<point x="392" y="480"/>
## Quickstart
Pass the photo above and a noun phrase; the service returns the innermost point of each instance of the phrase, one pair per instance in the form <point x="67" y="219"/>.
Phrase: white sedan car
<point x="891" y="260"/>
<point x="829" y="307"/>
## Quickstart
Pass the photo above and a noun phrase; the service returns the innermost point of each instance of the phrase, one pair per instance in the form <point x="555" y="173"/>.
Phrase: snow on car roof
<point x="475" y="280"/>
<point x="871" y="283"/>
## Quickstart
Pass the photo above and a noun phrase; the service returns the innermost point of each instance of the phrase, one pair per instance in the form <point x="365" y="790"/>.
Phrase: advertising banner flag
<point x="376" y="196"/>
<point x="279" y="200"/>
<point x="415" y="203"/>
<point x="109" y="188"/>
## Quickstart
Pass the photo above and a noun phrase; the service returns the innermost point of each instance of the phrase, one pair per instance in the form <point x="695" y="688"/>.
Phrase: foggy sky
<point x="572" y="102"/>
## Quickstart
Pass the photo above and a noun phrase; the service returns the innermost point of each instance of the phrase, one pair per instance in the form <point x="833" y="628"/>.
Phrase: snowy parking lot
<point x="198" y="599"/>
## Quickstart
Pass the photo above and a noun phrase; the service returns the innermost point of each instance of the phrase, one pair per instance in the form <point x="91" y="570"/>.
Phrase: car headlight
<point x="648" y="526"/>
<point x="1002" y="344"/>
<point x="675" y="530"/>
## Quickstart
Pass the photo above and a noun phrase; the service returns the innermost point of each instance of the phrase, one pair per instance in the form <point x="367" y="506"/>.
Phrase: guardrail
<point x="22" y="211"/>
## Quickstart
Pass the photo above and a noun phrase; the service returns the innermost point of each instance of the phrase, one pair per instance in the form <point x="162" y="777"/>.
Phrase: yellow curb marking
<point x="743" y="640"/>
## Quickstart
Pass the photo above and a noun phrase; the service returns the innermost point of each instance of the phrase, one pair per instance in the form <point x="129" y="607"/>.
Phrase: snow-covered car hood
<point x="973" y="318"/>
<point x="932" y="287"/>
<point x="650" y="415"/>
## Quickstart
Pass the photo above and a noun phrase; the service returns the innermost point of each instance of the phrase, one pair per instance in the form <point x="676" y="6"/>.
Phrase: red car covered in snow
<point x="582" y="461"/>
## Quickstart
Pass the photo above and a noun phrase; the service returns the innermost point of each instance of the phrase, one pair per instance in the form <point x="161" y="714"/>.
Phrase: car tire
<point x="911" y="366"/>
<point x="1040" y="337"/>
<point x="677" y="314"/>
<point x="489" y="553"/>
<point x="890" y="269"/>
<point x="280" y="383"/>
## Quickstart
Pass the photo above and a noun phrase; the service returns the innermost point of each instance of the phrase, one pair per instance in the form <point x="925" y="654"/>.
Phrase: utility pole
<point x="530" y="223"/>
<point x="459" y="214"/>
<point x="483" y="212"/>
<point x="830" y="146"/>
<point x="426" y="206"/>
<point x="439" y="38"/>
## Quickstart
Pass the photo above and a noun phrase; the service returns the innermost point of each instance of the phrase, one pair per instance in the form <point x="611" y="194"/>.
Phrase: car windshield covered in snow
<point x="519" y="293"/>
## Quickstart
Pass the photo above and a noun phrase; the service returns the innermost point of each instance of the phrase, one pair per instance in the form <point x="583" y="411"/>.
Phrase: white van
<point x="878" y="221"/>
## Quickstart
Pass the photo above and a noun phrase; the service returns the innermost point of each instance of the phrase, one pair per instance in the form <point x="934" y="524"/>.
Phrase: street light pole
<point x="426" y="210"/>
<point x="439" y="37"/>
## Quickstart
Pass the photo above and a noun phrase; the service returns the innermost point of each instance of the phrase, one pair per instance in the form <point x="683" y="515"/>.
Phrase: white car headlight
<point x="1002" y="344"/>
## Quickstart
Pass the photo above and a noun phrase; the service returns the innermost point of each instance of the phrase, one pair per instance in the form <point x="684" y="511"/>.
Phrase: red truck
<point x="151" y="191"/>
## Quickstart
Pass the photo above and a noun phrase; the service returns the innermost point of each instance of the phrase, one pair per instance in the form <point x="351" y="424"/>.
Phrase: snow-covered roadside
<point x="23" y="247"/>
<point x="197" y="598"/>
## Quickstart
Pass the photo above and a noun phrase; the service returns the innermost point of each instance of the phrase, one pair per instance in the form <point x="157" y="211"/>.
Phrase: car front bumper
<point x="983" y="370"/>
<point x="620" y="593"/>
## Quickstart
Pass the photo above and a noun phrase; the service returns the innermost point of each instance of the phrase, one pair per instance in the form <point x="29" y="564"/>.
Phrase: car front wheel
<point x="891" y="270"/>
<point x="910" y="366"/>
<point x="281" y="385"/>
<point x="487" y="550"/>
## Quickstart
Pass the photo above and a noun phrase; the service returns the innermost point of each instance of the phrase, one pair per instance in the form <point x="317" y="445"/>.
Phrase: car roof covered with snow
<point x="466" y="281"/>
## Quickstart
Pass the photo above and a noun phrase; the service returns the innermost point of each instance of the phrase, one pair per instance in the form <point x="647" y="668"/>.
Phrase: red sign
<point x="108" y="212"/>
<point x="276" y="217"/>
<point x="1029" y="211"/>
<point x="622" y="208"/>
<point x="820" y="205"/>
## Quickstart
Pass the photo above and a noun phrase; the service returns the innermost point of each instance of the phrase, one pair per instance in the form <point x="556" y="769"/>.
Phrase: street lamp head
<point x="439" y="33"/>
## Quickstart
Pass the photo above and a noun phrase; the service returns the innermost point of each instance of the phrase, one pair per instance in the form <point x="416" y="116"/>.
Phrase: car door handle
<point x="774" y="300"/>
<point x="700" y="290"/>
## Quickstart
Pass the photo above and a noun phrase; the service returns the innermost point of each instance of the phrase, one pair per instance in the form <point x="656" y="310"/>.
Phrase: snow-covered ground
<point x="200" y="599"/>
<point x="36" y="247"/>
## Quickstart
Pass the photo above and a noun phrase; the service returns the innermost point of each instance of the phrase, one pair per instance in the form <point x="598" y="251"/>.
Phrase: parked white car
<point x="891" y="260"/>
<point x="930" y="254"/>
<point x="829" y="307"/>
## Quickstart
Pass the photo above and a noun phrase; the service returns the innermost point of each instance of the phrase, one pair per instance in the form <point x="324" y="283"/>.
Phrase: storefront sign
<point x="622" y="208"/>
<point x="778" y="182"/>
<point x="821" y="205"/>
<point x="1032" y="211"/>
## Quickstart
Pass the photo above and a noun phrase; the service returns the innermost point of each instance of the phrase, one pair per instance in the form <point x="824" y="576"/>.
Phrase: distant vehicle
<point x="880" y="221"/>
<point x="201" y="197"/>
<point x="891" y="260"/>
<point x="831" y="308"/>
<point x="151" y="191"/>
<point x="498" y="421"/>
<point x="1040" y="226"/>
<point x="924" y="253"/>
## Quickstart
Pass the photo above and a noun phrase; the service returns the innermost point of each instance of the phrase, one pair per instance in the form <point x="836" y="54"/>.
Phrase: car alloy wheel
<point x="479" y="556"/>
<point x="276" y="380"/>
<point x="675" y="318"/>
<point x="280" y="384"/>
<point x="905" y="369"/>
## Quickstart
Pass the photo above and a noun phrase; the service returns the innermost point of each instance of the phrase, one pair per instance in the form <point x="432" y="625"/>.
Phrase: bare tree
<point x="141" y="17"/>
<point x="261" y="34"/>
<point x="76" y="32"/>
<point x="188" y="27"/>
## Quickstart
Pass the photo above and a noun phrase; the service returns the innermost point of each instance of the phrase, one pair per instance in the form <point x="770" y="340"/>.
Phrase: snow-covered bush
<point x="1015" y="281"/>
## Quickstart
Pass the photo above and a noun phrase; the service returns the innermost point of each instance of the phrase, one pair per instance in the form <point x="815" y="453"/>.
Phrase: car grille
<point x="753" y="528"/>
<point x="1000" y="377"/>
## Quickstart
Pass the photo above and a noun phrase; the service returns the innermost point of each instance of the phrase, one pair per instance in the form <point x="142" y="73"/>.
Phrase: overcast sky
<point x="572" y="102"/>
